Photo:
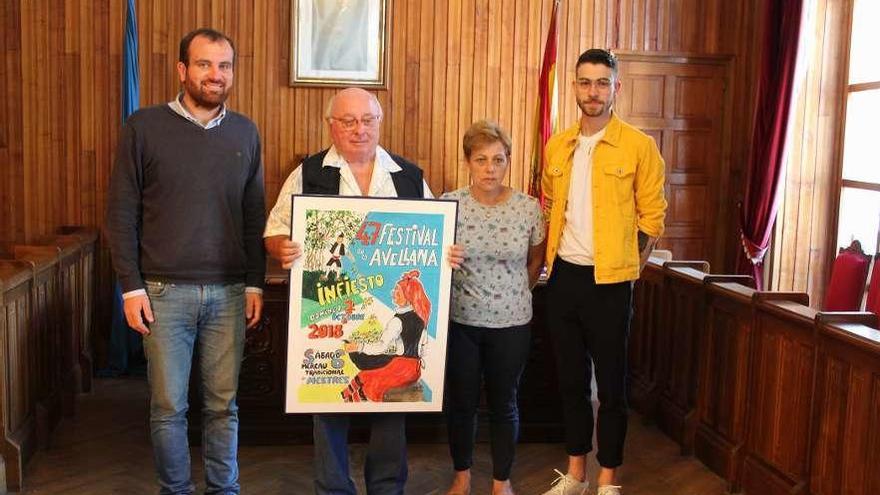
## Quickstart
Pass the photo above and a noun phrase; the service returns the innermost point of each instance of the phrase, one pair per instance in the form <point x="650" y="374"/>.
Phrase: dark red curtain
<point x="781" y="36"/>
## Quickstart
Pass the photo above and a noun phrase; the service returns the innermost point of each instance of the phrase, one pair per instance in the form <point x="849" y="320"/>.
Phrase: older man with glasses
<point x="355" y="165"/>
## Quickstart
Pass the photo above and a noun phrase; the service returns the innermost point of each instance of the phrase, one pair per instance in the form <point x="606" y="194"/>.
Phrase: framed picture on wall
<point x="369" y="304"/>
<point x="339" y="42"/>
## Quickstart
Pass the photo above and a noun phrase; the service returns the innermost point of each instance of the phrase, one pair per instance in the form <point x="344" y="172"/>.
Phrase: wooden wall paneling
<point x="396" y="94"/>
<point x="683" y="103"/>
<point x="453" y="51"/>
<point x="679" y="345"/>
<point x="693" y="23"/>
<point x="846" y="429"/>
<point x="503" y="99"/>
<point x="712" y="23"/>
<point x="12" y="190"/>
<point x="743" y="39"/>
<point x="3" y="487"/>
<point x="648" y="321"/>
<point x="30" y="114"/>
<point x="276" y="73"/>
<point x="84" y="135"/>
<point x="780" y="396"/>
<point x="89" y="307"/>
<point x="568" y="47"/>
<point x="661" y="41"/>
<point x="723" y="377"/>
<point x="6" y="448"/>
<point x="540" y="412"/>
<point x="500" y="61"/>
<point x="17" y="425"/>
<point x="86" y="289"/>
<point x="107" y="23"/>
<point x="636" y="26"/>
<point x="479" y="76"/>
<point x="600" y="26"/>
<point x="439" y="47"/>
<point x="45" y="356"/>
<point x="70" y="285"/>
<point x="673" y="29"/>
<point x="625" y="34"/>
<point x="5" y="165"/>
<point x="424" y="88"/>
<point x="4" y="444"/>
<point x="60" y="193"/>
<point x="465" y="85"/>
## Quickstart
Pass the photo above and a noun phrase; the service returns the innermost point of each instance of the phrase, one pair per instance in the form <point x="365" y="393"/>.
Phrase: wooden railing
<point x="46" y="311"/>
<point x="772" y="395"/>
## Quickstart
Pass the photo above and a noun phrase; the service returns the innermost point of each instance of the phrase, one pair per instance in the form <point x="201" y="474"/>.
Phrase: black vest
<point x="411" y="333"/>
<point x="318" y="179"/>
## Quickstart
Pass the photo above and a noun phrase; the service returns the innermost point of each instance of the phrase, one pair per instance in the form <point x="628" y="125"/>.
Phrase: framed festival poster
<point x="369" y="304"/>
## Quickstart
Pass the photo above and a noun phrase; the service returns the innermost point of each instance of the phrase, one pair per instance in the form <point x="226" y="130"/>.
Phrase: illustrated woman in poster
<point x="395" y="359"/>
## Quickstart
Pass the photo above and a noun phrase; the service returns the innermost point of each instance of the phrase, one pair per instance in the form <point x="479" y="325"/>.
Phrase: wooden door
<point x="681" y="101"/>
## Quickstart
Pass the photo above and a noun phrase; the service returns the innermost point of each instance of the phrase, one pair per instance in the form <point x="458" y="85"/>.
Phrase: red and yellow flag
<point x="546" y="118"/>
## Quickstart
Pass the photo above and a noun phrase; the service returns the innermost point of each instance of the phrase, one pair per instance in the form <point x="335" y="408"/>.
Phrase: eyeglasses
<point x="602" y="84"/>
<point x="351" y="123"/>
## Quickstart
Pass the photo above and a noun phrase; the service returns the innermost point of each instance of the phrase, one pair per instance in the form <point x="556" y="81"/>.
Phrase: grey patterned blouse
<point x="491" y="289"/>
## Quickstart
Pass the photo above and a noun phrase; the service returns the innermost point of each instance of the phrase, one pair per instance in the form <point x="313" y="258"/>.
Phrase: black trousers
<point x="499" y="356"/>
<point x="589" y="323"/>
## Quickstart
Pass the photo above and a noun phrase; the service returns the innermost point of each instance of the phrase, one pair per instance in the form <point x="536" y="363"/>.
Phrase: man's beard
<point x="206" y="99"/>
<point x="593" y="111"/>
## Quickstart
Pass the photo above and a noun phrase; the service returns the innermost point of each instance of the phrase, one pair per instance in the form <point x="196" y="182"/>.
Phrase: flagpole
<point x="546" y="116"/>
<point x="125" y="342"/>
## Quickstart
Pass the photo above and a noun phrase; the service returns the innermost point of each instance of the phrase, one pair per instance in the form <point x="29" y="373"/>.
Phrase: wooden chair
<point x="848" y="276"/>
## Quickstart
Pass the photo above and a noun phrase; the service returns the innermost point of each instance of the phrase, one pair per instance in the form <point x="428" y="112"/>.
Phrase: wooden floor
<point x="105" y="449"/>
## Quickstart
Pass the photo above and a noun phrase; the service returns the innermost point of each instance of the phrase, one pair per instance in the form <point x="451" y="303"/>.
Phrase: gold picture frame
<point x="337" y="43"/>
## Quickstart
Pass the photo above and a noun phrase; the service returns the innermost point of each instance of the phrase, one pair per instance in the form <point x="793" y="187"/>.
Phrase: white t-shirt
<point x="576" y="244"/>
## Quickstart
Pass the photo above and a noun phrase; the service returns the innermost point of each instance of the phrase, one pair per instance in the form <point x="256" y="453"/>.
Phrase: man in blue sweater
<point x="185" y="217"/>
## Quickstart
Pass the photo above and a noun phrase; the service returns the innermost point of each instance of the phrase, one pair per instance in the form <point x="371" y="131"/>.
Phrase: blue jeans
<point x="385" y="469"/>
<point x="213" y="316"/>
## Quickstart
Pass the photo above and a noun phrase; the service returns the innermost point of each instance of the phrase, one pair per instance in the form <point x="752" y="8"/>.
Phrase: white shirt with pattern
<point x="491" y="289"/>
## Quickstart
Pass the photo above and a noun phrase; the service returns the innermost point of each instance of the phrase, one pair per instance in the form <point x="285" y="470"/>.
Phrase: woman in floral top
<point x="502" y="232"/>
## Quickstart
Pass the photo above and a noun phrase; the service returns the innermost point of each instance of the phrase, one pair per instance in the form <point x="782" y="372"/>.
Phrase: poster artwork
<point x="369" y="304"/>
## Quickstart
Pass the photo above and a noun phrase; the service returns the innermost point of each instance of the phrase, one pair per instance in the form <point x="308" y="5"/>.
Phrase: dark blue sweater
<point x="186" y="204"/>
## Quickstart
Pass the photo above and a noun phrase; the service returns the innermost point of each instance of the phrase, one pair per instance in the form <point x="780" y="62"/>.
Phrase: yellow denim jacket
<point x="627" y="175"/>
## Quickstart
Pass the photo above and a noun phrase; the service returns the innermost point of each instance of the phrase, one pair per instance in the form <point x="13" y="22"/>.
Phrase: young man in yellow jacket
<point x="603" y="187"/>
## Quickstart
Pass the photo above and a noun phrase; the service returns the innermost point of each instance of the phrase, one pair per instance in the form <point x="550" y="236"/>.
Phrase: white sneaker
<point x="609" y="490"/>
<point x="566" y="485"/>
